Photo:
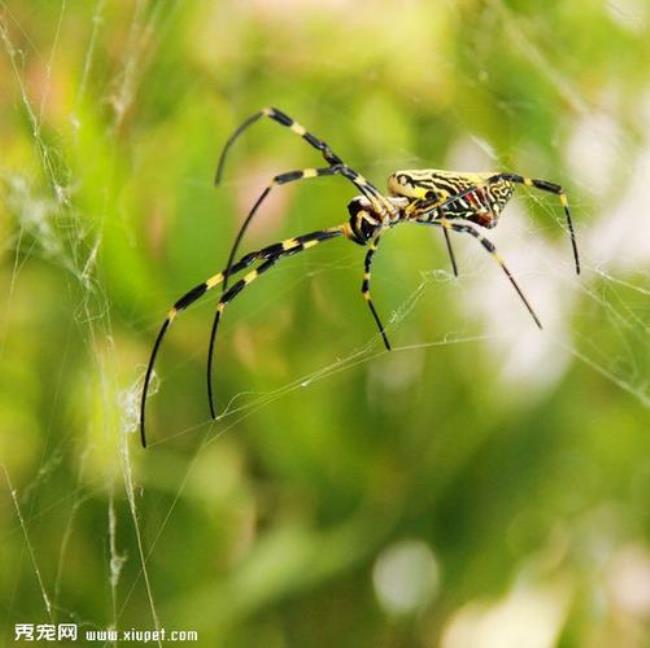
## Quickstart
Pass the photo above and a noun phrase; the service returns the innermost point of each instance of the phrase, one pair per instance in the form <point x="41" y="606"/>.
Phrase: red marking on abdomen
<point x="482" y="214"/>
<point x="483" y="218"/>
<point x="476" y="198"/>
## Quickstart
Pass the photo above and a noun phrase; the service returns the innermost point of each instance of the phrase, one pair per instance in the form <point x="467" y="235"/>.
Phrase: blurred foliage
<point x="347" y="496"/>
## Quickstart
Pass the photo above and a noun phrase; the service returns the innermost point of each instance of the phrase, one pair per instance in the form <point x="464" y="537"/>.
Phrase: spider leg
<point x="281" y="118"/>
<point x="429" y="206"/>
<point x="365" y="289"/>
<point x="330" y="157"/>
<point x="450" y="251"/>
<point x="542" y="185"/>
<point x="365" y="285"/>
<point x="293" y="176"/>
<point x="489" y="246"/>
<point x="275" y="251"/>
<point x="285" y="248"/>
<point x="550" y="187"/>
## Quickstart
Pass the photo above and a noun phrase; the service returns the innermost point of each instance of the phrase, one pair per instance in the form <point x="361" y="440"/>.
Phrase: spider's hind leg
<point x="269" y="253"/>
<point x="549" y="187"/>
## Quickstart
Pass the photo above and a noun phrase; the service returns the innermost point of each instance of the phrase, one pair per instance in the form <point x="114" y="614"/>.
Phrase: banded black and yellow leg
<point x="284" y="178"/>
<point x="542" y="185"/>
<point x="281" y="118"/>
<point x="550" y="187"/>
<point x="365" y="289"/>
<point x="285" y="248"/>
<point x="367" y="188"/>
<point x="489" y="246"/>
<point x="275" y="251"/>
<point x="227" y="297"/>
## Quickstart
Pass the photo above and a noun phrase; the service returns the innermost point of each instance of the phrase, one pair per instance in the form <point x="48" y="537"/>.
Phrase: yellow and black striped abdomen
<point x="433" y="184"/>
<point x="480" y="197"/>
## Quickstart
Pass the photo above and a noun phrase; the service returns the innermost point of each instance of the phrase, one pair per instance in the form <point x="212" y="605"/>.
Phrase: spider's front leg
<point x="271" y="256"/>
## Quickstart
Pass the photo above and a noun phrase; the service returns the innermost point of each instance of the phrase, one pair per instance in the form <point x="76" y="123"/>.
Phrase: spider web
<point x="608" y="160"/>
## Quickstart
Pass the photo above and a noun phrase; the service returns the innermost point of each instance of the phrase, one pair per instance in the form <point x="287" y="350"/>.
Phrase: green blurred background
<point x="484" y="484"/>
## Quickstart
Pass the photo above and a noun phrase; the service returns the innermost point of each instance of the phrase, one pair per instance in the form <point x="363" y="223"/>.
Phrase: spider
<point x="450" y="200"/>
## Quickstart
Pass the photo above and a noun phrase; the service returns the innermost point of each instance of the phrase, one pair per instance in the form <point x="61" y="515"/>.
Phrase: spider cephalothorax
<point x="453" y="201"/>
<point x="366" y="221"/>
